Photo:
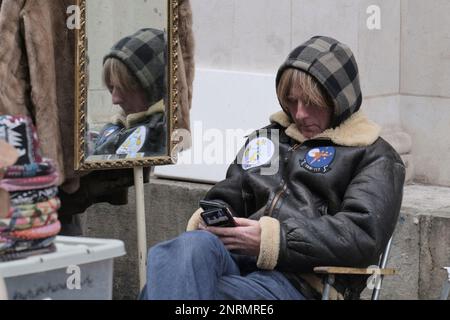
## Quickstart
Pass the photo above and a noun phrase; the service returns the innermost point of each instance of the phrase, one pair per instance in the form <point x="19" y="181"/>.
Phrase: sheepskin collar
<point x="128" y="121"/>
<point x="357" y="131"/>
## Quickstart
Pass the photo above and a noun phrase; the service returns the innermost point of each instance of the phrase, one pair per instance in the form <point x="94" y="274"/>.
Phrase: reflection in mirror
<point x="127" y="104"/>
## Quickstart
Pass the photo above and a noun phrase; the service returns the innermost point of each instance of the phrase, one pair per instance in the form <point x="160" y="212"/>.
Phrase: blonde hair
<point x="312" y="92"/>
<point x="115" y="73"/>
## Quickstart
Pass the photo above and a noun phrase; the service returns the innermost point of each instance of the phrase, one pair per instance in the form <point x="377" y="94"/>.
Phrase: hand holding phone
<point x="216" y="214"/>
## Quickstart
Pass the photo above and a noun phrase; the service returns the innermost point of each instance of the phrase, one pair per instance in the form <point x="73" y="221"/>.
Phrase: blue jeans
<point x="197" y="266"/>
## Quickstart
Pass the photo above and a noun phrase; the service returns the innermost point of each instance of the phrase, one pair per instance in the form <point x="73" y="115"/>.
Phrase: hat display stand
<point x="141" y="225"/>
<point x="3" y="291"/>
<point x="8" y="157"/>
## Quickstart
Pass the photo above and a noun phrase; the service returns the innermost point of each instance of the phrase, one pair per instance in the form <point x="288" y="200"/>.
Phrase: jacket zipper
<point x="283" y="189"/>
<point x="276" y="199"/>
<point x="295" y="147"/>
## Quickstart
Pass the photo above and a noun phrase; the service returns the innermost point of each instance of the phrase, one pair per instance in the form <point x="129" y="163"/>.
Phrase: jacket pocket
<point x="276" y="201"/>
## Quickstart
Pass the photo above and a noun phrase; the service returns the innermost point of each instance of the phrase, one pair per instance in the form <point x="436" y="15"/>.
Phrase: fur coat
<point x="37" y="75"/>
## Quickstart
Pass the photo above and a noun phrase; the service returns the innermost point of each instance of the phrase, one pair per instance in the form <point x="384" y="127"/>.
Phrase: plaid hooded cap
<point x="333" y="65"/>
<point x="144" y="54"/>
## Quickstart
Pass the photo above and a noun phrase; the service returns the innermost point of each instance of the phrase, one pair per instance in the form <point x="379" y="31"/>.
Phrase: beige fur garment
<point x="37" y="74"/>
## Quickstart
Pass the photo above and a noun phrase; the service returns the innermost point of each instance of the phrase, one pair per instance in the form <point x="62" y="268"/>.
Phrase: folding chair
<point x="380" y="271"/>
<point x="446" y="286"/>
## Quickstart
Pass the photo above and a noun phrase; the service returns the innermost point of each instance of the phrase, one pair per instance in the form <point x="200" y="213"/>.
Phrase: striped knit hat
<point x="144" y="54"/>
<point x="334" y="66"/>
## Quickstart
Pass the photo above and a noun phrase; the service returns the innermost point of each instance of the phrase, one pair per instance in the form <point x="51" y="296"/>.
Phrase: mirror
<point x="125" y="83"/>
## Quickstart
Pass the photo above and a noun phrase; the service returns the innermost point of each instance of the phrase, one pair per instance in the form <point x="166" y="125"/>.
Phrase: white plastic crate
<point x="80" y="269"/>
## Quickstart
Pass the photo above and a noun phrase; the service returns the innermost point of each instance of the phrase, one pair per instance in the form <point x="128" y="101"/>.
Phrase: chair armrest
<point x="356" y="271"/>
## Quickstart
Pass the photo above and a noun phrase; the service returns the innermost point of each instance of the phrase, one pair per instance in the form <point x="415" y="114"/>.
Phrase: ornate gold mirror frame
<point x="81" y="92"/>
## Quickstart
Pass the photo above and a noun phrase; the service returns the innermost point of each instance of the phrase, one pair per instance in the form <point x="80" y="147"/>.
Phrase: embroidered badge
<point x="134" y="142"/>
<point x="258" y="152"/>
<point x="318" y="160"/>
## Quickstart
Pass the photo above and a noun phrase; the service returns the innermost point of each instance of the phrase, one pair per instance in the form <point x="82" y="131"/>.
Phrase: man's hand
<point x="243" y="239"/>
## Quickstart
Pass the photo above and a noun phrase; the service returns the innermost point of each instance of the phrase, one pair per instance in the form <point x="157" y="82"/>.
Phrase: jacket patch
<point x="318" y="160"/>
<point x="134" y="142"/>
<point x="257" y="153"/>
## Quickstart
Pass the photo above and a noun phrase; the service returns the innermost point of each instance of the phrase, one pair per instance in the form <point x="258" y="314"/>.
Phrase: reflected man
<point x="134" y="72"/>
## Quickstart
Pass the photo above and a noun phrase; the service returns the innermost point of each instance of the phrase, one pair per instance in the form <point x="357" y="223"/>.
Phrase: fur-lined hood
<point x="132" y="119"/>
<point x="357" y="131"/>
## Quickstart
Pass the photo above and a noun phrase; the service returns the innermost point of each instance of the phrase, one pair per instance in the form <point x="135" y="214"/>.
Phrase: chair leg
<point x="377" y="289"/>
<point x="3" y="291"/>
<point x="446" y="287"/>
<point x="445" y="290"/>
<point x="383" y="264"/>
<point x="328" y="282"/>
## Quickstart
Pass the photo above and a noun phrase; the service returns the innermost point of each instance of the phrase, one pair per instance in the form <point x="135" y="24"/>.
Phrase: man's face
<point x="310" y="120"/>
<point x="129" y="101"/>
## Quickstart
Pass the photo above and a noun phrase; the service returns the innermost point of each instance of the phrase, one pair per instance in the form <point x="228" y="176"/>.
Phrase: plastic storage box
<point x="80" y="269"/>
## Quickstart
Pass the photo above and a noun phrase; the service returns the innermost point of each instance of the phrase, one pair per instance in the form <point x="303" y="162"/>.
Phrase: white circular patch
<point x="313" y="152"/>
<point x="258" y="152"/>
<point x="134" y="142"/>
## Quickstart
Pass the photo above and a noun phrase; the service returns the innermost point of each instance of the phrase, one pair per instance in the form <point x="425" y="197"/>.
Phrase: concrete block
<point x="432" y="206"/>
<point x="404" y="258"/>
<point x="434" y="253"/>
<point x="426" y="200"/>
<point x="420" y="245"/>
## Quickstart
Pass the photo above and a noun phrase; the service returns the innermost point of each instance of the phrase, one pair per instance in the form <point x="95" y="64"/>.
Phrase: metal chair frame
<point x="446" y="286"/>
<point x="331" y="272"/>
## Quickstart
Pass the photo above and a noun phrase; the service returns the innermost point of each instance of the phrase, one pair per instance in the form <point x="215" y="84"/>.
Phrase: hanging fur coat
<point x="37" y="79"/>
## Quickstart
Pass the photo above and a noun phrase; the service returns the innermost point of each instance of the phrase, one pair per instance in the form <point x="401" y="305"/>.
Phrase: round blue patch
<point x="318" y="160"/>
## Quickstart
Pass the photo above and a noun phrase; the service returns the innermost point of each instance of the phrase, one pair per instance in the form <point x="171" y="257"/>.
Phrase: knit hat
<point x="22" y="167"/>
<point x="144" y="54"/>
<point x="20" y="133"/>
<point x="334" y="66"/>
<point x="8" y="156"/>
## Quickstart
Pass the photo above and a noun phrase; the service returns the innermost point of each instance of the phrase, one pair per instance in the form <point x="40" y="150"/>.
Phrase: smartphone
<point x="216" y="214"/>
